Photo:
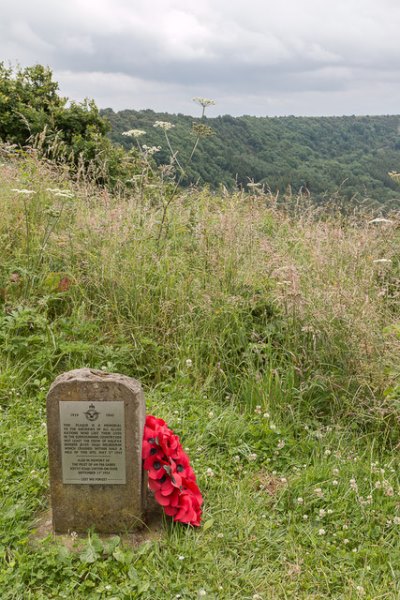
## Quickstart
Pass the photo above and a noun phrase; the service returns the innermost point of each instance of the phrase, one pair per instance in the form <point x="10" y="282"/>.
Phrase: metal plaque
<point x="93" y="442"/>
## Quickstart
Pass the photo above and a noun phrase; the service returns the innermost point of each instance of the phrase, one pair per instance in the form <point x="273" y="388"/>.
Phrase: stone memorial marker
<point x="95" y="424"/>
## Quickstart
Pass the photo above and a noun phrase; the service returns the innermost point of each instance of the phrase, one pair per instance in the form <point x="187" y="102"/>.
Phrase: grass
<point x="288" y="405"/>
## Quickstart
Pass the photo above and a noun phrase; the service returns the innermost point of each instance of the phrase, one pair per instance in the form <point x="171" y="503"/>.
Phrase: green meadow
<point x="265" y="333"/>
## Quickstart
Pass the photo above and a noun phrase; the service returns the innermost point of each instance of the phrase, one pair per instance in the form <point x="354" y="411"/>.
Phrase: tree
<point x="33" y="112"/>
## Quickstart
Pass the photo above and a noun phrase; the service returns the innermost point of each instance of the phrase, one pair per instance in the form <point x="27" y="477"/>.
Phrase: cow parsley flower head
<point x="150" y="150"/>
<point x="135" y="133"/>
<point x="204" y="102"/>
<point x="165" y="125"/>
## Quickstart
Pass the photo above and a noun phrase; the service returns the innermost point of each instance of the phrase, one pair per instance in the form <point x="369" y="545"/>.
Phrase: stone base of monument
<point x="150" y="530"/>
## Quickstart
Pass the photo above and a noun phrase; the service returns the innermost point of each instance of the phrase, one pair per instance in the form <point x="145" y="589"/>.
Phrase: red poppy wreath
<point x="171" y="477"/>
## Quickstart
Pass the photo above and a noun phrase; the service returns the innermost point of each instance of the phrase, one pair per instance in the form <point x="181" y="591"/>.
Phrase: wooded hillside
<point x="352" y="154"/>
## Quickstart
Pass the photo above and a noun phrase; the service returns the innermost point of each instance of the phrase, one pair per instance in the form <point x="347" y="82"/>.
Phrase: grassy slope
<point x="284" y="316"/>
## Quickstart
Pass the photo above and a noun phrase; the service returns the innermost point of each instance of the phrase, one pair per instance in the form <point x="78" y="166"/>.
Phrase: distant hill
<point x="324" y="154"/>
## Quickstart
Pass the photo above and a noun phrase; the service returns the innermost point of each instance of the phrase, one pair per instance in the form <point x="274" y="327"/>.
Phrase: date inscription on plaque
<point x="93" y="442"/>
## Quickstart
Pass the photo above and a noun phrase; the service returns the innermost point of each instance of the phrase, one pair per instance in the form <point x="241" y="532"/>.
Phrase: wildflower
<point x="328" y="452"/>
<point x="210" y="414"/>
<point x="322" y="513"/>
<point x="335" y="482"/>
<point x="220" y="535"/>
<point x="378" y="485"/>
<point x="150" y="150"/>
<point x="204" y="102"/>
<point x="319" y="492"/>
<point x="396" y="520"/>
<point x="181" y="557"/>
<point x="283" y="480"/>
<point x="202" y="130"/>
<point x="164" y="125"/>
<point x="380" y="220"/>
<point x="253" y="456"/>
<point x="135" y="133"/>
<point x="360" y="590"/>
<point x="23" y="192"/>
<point x="236" y="458"/>
<point x="353" y="484"/>
<point x="210" y="472"/>
<point x="300" y="500"/>
<point x="305" y="517"/>
<point x="266" y="415"/>
<point x="281" y="444"/>
<point x="189" y="363"/>
<point x="329" y="511"/>
<point x="74" y="535"/>
<point x="321" y="532"/>
<point x="257" y="409"/>
<point x="389" y="490"/>
<point x="346" y="541"/>
<point x="202" y="593"/>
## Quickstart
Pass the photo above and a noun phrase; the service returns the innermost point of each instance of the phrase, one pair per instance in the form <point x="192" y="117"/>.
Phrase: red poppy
<point x="171" y="500"/>
<point x="170" y="510"/>
<point x="169" y="443"/>
<point x="189" y="510"/>
<point x="182" y="466"/>
<point x="154" y="465"/>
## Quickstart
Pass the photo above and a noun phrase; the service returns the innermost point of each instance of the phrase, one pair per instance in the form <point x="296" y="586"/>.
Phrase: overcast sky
<point x="259" y="57"/>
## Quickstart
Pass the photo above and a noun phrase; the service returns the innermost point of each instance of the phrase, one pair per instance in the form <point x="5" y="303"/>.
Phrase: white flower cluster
<point x="23" y="192"/>
<point x="60" y="193"/>
<point x="165" y="125"/>
<point x="150" y="150"/>
<point x="204" y="102"/>
<point x="135" y="133"/>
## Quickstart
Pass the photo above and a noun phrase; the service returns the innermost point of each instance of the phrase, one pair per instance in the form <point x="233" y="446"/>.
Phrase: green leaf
<point x="143" y="587"/>
<point x="119" y="555"/>
<point x="208" y="524"/>
<point x="89" y="554"/>
<point x="96" y="542"/>
<point x="110" y="545"/>
<point x="132" y="573"/>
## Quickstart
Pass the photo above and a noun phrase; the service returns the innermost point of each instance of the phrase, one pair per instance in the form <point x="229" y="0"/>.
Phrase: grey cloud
<point x="266" y="53"/>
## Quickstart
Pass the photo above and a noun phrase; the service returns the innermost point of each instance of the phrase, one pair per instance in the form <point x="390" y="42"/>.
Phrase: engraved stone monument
<point x="95" y="424"/>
